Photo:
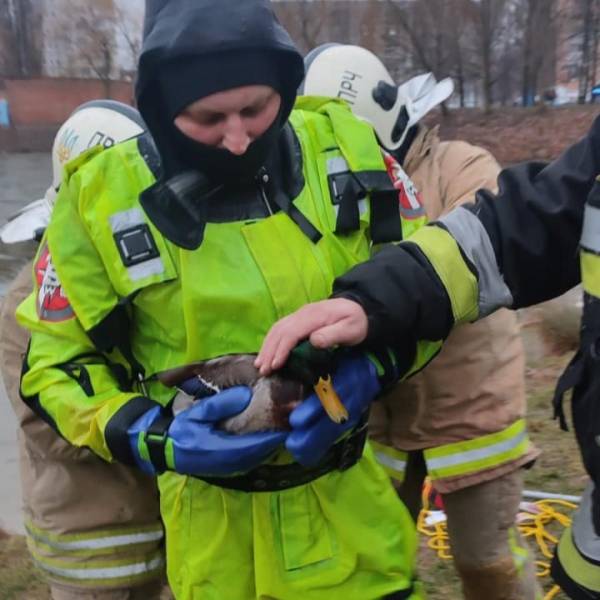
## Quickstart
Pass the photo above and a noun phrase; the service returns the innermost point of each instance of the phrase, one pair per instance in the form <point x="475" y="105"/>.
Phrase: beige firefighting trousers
<point x="490" y="556"/>
<point x="93" y="528"/>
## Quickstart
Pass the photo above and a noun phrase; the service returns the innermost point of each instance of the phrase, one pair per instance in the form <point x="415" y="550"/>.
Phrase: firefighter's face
<point x="232" y="119"/>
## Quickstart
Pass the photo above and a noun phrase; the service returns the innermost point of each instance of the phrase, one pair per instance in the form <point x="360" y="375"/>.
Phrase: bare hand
<point x="327" y="323"/>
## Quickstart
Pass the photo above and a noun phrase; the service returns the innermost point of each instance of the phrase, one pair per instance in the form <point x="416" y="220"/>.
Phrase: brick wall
<point x="34" y="102"/>
<point x="38" y="107"/>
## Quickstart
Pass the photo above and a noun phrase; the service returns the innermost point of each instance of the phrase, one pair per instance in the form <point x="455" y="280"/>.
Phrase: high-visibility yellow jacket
<point x="337" y="535"/>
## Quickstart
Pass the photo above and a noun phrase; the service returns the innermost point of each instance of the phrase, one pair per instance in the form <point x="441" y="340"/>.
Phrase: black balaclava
<point x="180" y="85"/>
<point x="195" y="48"/>
<point x="192" y="49"/>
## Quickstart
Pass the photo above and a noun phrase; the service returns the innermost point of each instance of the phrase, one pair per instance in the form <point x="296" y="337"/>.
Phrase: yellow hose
<point x="532" y="526"/>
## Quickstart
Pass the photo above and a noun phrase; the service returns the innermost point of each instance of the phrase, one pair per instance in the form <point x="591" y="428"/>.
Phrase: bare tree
<point x="595" y="43"/>
<point x="491" y="30"/>
<point x="587" y="7"/>
<point x="97" y="42"/>
<point x="94" y="37"/>
<point x="416" y="24"/>
<point x="461" y="50"/>
<point x="532" y="10"/>
<point x="440" y="35"/>
<point x="21" y="49"/>
<point x="305" y="20"/>
<point x="582" y="36"/>
<point x="131" y="36"/>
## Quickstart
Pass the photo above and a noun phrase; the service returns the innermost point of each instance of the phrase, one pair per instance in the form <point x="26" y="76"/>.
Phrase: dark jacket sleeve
<point x="534" y="225"/>
<point x="535" y="221"/>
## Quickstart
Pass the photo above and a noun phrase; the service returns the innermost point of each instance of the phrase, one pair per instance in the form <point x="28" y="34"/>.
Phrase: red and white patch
<point x="52" y="303"/>
<point x="411" y="205"/>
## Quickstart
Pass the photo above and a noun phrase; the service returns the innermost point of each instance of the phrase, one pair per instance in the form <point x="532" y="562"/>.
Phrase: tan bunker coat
<point x="466" y="409"/>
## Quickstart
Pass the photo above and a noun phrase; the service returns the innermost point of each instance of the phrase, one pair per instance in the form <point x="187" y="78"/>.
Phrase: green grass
<point x="18" y="579"/>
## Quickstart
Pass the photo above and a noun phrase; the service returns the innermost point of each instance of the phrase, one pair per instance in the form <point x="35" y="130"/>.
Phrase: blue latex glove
<point x="313" y="432"/>
<point x="196" y="446"/>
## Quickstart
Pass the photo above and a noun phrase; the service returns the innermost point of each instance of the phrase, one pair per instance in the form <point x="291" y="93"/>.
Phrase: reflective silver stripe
<point x="98" y="543"/>
<point x="127" y="219"/>
<point x="590" y="237"/>
<point x="460" y="458"/>
<point x="337" y="164"/>
<point x="584" y="536"/>
<point x="392" y="463"/>
<point x="104" y="573"/>
<point x="413" y="213"/>
<point x="475" y="242"/>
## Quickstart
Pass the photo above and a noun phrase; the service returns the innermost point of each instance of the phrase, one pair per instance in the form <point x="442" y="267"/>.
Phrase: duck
<point x="274" y="397"/>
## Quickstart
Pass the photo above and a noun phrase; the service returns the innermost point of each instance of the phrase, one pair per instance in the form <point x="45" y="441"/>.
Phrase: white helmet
<point x="99" y="122"/>
<point x="356" y="75"/>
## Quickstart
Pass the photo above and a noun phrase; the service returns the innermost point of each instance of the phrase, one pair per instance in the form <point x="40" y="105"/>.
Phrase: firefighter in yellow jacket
<point x="536" y="238"/>
<point x="256" y="209"/>
<point x="461" y="420"/>
<point x="79" y="510"/>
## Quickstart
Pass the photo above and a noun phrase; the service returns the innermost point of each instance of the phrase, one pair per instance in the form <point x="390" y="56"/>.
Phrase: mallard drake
<point x="273" y="398"/>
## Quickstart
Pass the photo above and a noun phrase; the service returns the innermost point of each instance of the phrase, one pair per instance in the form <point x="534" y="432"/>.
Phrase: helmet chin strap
<point x="400" y="153"/>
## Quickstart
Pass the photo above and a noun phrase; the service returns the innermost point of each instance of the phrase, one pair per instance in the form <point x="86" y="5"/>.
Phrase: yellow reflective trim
<point x="88" y="551"/>
<point x="590" y="273"/>
<point x="393" y="461"/>
<point x="485" y="452"/>
<point x="576" y="567"/>
<point x="134" y="569"/>
<point x="146" y="533"/>
<point x="444" y="254"/>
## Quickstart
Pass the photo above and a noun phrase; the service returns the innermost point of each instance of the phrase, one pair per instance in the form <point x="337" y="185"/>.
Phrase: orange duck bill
<point x="330" y="400"/>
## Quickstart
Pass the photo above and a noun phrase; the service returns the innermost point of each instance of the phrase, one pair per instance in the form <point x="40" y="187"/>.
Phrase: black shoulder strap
<point x="289" y="181"/>
<point x="348" y="188"/>
<point x="386" y="223"/>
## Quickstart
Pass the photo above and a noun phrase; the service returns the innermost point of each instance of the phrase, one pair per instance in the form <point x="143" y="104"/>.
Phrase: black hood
<point x="176" y="29"/>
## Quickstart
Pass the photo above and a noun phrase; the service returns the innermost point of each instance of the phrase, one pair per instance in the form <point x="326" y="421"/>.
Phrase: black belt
<point x="272" y="478"/>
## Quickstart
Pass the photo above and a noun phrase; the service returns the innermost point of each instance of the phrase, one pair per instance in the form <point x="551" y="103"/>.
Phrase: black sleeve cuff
<point x="402" y="295"/>
<point x="115" y="433"/>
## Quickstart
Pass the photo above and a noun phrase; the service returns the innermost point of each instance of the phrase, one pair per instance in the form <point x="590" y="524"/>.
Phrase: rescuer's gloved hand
<point x="192" y="443"/>
<point x="357" y="383"/>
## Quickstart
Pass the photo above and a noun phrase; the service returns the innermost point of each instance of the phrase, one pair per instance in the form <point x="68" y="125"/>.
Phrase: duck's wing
<point x="219" y="373"/>
<point x="273" y="399"/>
